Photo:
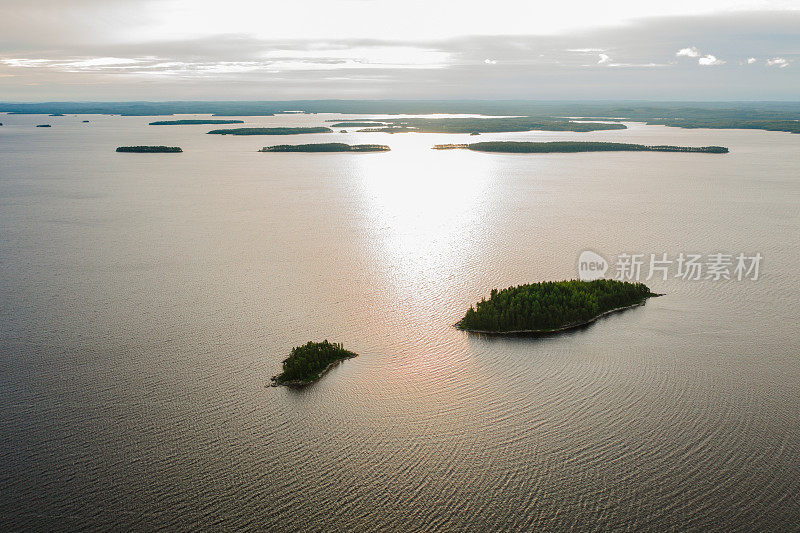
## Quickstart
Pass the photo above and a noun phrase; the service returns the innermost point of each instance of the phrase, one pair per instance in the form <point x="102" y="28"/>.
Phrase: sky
<point x="115" y="50"/>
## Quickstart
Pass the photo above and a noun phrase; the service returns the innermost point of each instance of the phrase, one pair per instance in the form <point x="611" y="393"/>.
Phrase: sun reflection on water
<point x="428" y="206"/>
<point x="425" y="211"/>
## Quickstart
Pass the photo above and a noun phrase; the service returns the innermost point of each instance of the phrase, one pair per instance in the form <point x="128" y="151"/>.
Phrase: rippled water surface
<point x="146" y="299"/>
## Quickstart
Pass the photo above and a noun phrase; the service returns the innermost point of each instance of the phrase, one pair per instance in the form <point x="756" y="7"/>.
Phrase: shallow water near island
<point x="147" y="299"/>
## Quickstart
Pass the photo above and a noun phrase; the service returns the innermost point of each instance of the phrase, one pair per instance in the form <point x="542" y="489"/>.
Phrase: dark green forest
<point x="306" y="362"/>
<point x="150" y="149"/>
<point x="193" y="121"/>
<point x="551" y="305"/>
<point x="580" y="146"/>
<point x="270" y="131"/>
<point x="355" y="124"/>
<point x="326" y="147"/>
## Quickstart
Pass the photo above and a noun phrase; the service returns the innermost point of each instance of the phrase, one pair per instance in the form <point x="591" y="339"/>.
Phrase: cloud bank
<point x="653" y="58"/>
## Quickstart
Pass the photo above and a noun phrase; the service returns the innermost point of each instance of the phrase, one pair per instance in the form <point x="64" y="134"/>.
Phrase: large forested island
<point x="193" y="121"/>
<point x="356" y="124"/>
<point x="518" y="147"/>
<point x="326" y="147"/>
<point x="483" y="125"/>
<point x="270" y="131"/>
<point x="150" y="149"/>
<point x="309" y="362"/>
<point x="552" y="306"/>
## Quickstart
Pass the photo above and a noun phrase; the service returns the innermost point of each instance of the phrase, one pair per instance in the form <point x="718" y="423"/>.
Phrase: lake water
<point x="146" y="299"/>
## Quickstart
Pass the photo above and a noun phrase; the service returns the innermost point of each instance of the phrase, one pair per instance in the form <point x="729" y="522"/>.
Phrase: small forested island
<point x="56" y="114"/>
<point x="517" y="147"/>
<point x="309" y="362"/>
<point x="326" y="147"/>
<point x="43" y="126"/>
<point x="193" y="121"/>
<point x="270" y="131"/>
<point x="150" y="149"/>
<point x="551" y="306"/>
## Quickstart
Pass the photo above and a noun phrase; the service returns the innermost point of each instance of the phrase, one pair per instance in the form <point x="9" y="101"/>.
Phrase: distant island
<point x="790" y="126"/>
<point x="483" y="125"/>
<point x="551" y="306"/>
<point x="56" y="114"/>
<point x="308" y="363"/>
<point x="721" y="120"/>
<point x="43" y="126"/>
<point x="150" y="149"/>
<point x="270" y="131"/>
<point x="193" y="121"/>
<point x="326" y="147"/>
<point x="515" y="147"/>
<point x="357" y="124"/>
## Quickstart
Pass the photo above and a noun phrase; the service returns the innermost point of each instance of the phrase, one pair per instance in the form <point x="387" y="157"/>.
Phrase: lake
<point x="146" y="300"/>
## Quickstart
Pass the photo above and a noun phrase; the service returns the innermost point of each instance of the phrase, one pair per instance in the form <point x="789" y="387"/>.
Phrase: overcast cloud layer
<point x="107" y="50"/>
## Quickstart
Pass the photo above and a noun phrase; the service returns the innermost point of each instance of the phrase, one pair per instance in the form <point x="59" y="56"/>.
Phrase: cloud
<point x="751" y="60"/>
<point x="566" y="65"/>
<point x="779" y="62"/>
<point x="638" y="65"/>
<point x="322" y="57"/>
<point x="709" y="60"/>
<point x="704" y="60"/>
<point x="688" y="52"/>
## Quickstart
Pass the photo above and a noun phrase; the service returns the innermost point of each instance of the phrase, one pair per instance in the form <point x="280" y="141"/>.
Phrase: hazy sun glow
<point x="410" y="20"/>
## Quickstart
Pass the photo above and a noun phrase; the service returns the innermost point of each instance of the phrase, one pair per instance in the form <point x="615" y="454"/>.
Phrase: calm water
<point x="145" y="300"/>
